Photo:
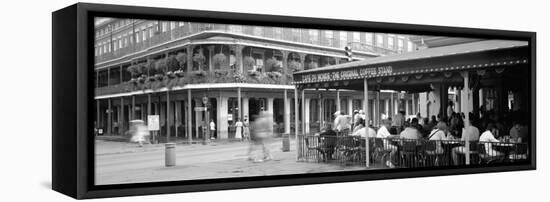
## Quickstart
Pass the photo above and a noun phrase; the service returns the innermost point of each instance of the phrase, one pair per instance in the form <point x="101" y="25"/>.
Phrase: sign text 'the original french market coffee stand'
<point x="347" y="74"/>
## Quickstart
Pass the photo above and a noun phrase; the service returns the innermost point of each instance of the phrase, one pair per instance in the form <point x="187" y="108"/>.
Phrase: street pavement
<point x="121" y="162"/>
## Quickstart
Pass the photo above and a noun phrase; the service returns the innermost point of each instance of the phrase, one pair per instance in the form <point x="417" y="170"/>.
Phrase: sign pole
<point x="366" y="109"/>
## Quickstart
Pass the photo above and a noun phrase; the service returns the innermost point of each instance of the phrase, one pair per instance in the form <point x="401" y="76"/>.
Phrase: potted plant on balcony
<point x="312" y="65"/>
<point x="160" y="68"/>
<point x="248" y="63"/>
<point x="273" y="65"/>
<point x="293" y="66"/>
<point x="200" y="60"/>
<point x="181" y="57"/>
<point x="219" y="61"/>
<point x="172" y="65"/>
<point x="239" y="77"/>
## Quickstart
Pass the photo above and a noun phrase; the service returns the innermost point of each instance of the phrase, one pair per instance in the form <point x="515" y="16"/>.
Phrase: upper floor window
<point x="278" y="32"/>
<point x="181" y="24"/>
<point x="379" y="40"/>
<point x="356" y="37"/>
<point x="314" y="36"/>
<point x="258" y="31"/>
<point x="391" y="42"/>
<point x="172" y="25"/>
<point x="410" y="46"/>
<point x="164" y="27"/>
<point x="296" y="36"/>
<point x="329" y="37"/>
<point x="343" y="39"/>
<point x="368" y="38"/>
<point x="236" y="28"/>
<point x="400" y="45"/>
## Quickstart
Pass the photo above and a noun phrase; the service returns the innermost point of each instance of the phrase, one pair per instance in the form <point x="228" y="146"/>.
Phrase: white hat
<point x="361" y="112"/>
<point x="337" y="113"/>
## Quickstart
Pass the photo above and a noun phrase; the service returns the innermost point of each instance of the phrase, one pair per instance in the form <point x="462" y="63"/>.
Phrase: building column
<point x="189" y="117"/>
<point x="198" y="118"/>
<point x="222" y="114"/>
<point x="239" y="105"/>
<point x="285" y="66"/>
<point x="189" y="61"/>
<point x="286" y="112"/>
<point x="366" y="109"/>
<point x="245" y="108"/>
<point x="121" y="117"/>
<point x="303" y="112"/>
<point x="109" y="117"/>
<point x="406" y="107"/>
<point x="296" y="123"/>
<point x="377" y="109"/>
<point x="98" y="115"/>
<point x="239" y="57"/>
<point x="306" y="115"/>
<point x="168" y="116"/>
<point x="338" y="107"/>
<point x="392" y="104"/>
<point x="210" y="53"/>
<point x="415" y="104"/>
<point x="133" y="108"/>
<point x="321" y="121"/>
<point x="270" y="111"/>
<point x="466" y="100"/>
<point x="387" y="107"/>
<point x="350" y="106"/>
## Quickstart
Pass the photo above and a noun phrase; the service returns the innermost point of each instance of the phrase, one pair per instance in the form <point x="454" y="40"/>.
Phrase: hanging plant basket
<point x="219" y="61"/>
<point x="248" y="63"/>
<point x="199" y="59"/>
<point x="273" y="65"/>
<point x="179" y="73"/>
<point x="182" y="59"/>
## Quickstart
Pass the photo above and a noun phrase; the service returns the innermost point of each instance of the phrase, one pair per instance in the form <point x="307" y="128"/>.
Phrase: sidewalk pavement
<point x="234" y="163"/>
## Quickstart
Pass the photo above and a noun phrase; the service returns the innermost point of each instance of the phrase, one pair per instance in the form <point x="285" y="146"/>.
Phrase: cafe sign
<point x="347" y="74"/>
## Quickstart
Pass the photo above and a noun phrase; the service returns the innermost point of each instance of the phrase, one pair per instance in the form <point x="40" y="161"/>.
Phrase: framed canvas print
<point x="158" y="100"/>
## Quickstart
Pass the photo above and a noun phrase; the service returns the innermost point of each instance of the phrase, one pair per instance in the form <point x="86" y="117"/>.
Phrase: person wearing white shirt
<point x="469" y="133"/>
<point x="488" y="138"/>
<point x="385" y="134"/>
<point x="438" y="134"/>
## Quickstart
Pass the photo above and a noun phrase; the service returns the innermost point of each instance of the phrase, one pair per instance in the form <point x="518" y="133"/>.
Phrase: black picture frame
<point x="73" y="57"/>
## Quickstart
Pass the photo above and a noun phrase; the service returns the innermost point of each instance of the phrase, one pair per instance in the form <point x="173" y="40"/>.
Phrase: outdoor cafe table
<point x="505" y="148"/>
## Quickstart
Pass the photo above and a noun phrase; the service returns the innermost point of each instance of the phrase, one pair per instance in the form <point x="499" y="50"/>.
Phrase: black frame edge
<point x="70" y="166"/>
<point x="64" y="145"/>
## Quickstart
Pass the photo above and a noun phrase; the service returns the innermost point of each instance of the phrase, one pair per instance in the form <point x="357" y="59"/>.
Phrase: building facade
<point x="191" y="74"/>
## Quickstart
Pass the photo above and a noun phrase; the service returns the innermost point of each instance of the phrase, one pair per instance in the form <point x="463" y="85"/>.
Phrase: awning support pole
<point x="366" y="109"/>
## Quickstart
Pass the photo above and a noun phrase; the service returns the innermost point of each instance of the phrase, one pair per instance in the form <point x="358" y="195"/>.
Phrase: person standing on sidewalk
<point x="260" y="133"/>
<point x="212" y="129"/>
<point x="246" y="128"/>
<point x="239" y="130"/>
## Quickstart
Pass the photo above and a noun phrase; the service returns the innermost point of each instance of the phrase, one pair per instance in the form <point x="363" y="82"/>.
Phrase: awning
<point x="462" y="57"/>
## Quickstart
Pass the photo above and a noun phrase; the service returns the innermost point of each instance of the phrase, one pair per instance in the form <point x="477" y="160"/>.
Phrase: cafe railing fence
<point x="383" y="153"/>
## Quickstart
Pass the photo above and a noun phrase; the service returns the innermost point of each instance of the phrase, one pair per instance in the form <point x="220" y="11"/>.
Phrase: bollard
<point x="170" y="154"/>
<point x="286" y="142"/>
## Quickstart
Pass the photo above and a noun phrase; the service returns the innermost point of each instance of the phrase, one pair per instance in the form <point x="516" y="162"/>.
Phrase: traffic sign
<point x="153" y="122"/>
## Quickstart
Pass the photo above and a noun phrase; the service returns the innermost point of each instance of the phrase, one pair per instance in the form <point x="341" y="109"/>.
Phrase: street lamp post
<point x="206" y="135"/>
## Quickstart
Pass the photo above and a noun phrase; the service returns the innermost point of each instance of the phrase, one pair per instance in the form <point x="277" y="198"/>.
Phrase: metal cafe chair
<point x="430" y="153"/>
<point x="409" y="155"/>
<point x="488" y="157"/>
<point x="519" y="152"/>
<point x="312" y="146"/>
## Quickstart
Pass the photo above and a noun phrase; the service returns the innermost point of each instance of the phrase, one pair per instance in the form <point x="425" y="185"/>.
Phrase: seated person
<point x="439" y="133"/>
<point x="328" y="142"/>
<point x="488" y="138"/>
<point x="410" y="132"/>
<point x="363" y="131"/>
<point x="469" y="133"/>
<point x="385" y="134"/>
